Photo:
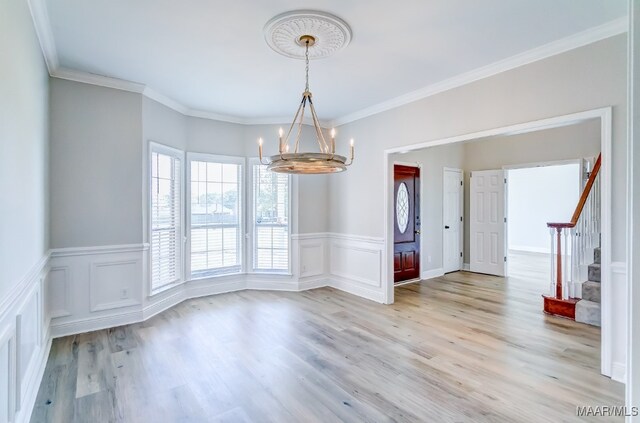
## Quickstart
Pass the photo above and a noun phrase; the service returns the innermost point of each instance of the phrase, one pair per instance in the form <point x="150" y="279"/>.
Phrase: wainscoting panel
<point x="24" y="344"/>
<point x="95" y="287"/>
<point x="115" y="283"/>
<point x="57" y="292"/>
<point x="7" y="375"/>
<point x="312" y="261"/>
<point x="356" y="265"/>
<point x="28" y="339"/>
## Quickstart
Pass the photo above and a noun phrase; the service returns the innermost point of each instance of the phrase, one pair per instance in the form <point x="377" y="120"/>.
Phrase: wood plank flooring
<point x="461" y="348"/>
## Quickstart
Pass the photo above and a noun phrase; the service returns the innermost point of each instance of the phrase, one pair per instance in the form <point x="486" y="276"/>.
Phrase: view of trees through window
<point x="215" y="218"/>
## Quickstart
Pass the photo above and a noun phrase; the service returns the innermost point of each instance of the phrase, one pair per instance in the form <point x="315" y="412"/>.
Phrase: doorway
<point x="406" y="233"/>
<point x="603" y="118"/>
<point x="537" y="194"/>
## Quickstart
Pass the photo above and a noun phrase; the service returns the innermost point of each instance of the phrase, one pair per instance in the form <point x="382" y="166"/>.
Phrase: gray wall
<point x="432" y="162"/>
<point x="99" y="149"/>
<point x="96" y="156"/>
<point x="312" y="190"/>
<point x="586" y="78"/>
<point x="24" y="222"/>
<point x="565" y="143"/>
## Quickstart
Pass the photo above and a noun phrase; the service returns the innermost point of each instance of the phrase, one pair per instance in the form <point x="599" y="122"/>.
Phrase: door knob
<point x="446" y="227"/>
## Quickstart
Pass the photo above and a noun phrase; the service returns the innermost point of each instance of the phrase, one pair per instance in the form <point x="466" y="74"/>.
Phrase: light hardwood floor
<point x="463" y="348"/>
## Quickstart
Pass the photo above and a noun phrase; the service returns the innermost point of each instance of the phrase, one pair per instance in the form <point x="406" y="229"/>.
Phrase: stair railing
<point x="573" y="241"/>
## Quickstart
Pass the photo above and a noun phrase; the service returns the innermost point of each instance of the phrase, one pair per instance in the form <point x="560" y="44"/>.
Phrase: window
<point x="215" y="211"/>
<point x="166" y="215"/>
<point x="270" y="220"/>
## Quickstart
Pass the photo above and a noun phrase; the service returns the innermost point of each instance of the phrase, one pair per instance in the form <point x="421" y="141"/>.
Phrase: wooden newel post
<point x="559" y="264"/>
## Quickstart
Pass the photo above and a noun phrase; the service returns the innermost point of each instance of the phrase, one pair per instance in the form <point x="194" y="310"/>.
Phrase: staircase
<point x="588" y="308"/>
<point x="573" y="245"/>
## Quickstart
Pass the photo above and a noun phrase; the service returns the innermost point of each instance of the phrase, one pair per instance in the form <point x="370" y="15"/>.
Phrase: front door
<point x="406" y="197"/>
<point x="487" y="222"/>
<point x="452" y="220"/>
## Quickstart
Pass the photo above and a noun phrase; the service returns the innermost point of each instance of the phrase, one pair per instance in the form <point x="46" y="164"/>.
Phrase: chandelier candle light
<point x="326" y="161"/>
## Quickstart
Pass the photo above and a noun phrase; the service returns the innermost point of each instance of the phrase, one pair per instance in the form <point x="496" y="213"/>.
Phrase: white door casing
<point x="452" y="212"/>
<point x="487" y="222"/>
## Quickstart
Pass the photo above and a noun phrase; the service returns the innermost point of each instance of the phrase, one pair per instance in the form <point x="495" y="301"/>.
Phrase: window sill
<point x="214" y="276"/>
<point x="267" y="272"/>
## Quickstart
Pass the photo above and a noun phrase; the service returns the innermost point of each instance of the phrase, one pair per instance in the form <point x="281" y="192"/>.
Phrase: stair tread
<point x="593" y="272"/>
<point x="591" y="291"/>
<point x="588" y="304"/>
<point x="588" y="312"/>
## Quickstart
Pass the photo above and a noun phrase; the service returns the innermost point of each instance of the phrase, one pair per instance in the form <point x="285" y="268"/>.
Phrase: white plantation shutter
<point x="166" y="212"/>
<point x="270" y="220"/>
<point x="215" y="211"/>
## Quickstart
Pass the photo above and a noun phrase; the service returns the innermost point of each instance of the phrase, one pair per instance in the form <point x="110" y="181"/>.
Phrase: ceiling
<point x="211" y="55"/>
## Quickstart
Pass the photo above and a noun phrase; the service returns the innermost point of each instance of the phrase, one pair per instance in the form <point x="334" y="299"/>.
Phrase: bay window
<point x="214" y="214"/>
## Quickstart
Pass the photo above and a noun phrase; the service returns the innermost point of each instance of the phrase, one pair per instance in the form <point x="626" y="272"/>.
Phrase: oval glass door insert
<point x="402" y="208"/>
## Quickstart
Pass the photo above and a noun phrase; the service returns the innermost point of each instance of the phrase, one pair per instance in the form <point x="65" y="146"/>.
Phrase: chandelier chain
<point x="306" y="57"/>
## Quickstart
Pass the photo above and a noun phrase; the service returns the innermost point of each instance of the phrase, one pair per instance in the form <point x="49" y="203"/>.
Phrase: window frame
<point x="155" y="147"/>
<point x="251" y="215"/>
<point x="242" y="185"/>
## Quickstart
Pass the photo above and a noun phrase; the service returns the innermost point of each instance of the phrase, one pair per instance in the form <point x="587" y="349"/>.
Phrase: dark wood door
<point x="406" y="222"/>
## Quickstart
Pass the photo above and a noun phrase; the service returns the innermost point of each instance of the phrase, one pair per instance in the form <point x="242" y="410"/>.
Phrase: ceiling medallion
<point x="283" y="33"/>
<point x="326" y="160"/>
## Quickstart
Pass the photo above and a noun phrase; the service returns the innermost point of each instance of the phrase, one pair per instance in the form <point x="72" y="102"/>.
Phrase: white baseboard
<point x="432" y="273"/>
<point x="618" y="372"/>
<point x="158" y="306"/>
<point x="196" y="290"/>
<point x="91" y="324"/>
<point x="355" y="288"/>
<point x="314" y="283"/>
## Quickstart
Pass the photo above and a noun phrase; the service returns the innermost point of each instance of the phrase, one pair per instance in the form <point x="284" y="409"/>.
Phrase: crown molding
<point x="98" y="80"/>
<point x="42" y="24"/>
<point x="166" y="101"/>
<point x="134" y="87"/>
<point x="580" y="39"/>
<point x="204" y="114"/>
<point x="40" y="16"/>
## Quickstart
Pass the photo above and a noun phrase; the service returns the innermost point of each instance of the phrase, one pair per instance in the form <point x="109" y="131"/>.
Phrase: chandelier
<point x="325" y="160"/>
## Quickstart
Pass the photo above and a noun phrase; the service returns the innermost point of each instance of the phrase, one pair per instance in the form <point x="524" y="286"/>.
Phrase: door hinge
<point x="460" y="253"/>
<point x="505" y="220"/>
<point x="505" y="180"/>
<point x="460" y="218"/>
<point x="505" y="259"/>
<point x="460" y="183"/>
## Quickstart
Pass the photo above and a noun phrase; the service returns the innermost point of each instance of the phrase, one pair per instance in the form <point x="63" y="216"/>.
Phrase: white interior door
<point x="452" y="220"/>
<point x="487" y="222"/>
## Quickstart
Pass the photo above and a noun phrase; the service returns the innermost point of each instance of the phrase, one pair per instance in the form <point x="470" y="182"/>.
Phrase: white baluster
<point x="566" y="288"/>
